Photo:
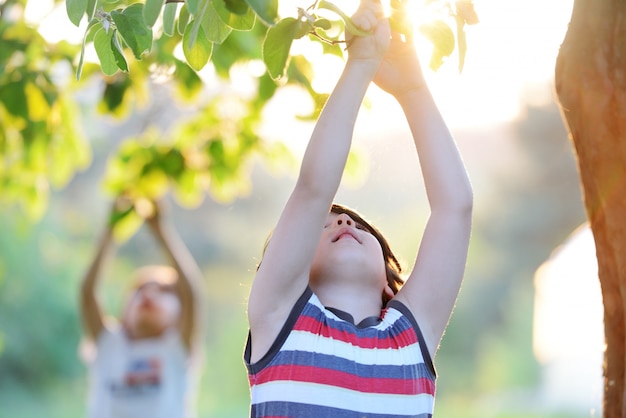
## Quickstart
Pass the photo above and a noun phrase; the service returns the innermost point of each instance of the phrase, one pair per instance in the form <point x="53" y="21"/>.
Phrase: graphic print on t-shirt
<point x="142" y="376"/>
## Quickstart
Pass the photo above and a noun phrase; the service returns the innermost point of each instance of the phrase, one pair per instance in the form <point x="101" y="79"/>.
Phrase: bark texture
<point x="590" y="77"/>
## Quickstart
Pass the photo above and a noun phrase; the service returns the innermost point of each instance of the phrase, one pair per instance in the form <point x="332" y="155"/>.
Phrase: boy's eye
<point x="361" y="227"/>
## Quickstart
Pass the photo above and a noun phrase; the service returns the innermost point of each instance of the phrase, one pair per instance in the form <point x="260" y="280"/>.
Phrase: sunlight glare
<point x="568" y="333"/>
<point x="510" y="60"/>
<point x="53" y="23"/>
<point x="512" y="49"/>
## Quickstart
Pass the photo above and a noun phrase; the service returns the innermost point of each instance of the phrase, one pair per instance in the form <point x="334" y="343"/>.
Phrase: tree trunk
<point x="590" y="80"/>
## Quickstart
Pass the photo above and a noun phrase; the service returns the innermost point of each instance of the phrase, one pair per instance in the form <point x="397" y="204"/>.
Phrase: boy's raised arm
<point x="433" y="285"/>
<point x="91" y="314"/>
<point x="284" y="271"/>
<point x="189" y="283"/>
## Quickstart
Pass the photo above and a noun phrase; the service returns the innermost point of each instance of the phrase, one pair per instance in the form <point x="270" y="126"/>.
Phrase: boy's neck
<point x="359" y="301"/>
<point x="142" y="333"/>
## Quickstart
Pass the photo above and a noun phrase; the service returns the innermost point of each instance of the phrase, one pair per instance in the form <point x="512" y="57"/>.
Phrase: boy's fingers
<point x="375" y="6"/>
<point x="364" y="20"/>
<point x="369" y="13"/>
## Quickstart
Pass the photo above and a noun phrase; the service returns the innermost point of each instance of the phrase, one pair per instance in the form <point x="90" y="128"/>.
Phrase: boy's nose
<point x="344" y="219"/>
<point x="149" y="292"/>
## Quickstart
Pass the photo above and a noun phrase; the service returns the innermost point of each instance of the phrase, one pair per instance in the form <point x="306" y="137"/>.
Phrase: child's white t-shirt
<point x="139" y="378"/>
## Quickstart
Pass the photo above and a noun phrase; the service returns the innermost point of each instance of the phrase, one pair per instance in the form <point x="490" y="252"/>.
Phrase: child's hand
<point x="153" y="218"/>
<point x="369" y="18"/>
<point x="400" y="71"/>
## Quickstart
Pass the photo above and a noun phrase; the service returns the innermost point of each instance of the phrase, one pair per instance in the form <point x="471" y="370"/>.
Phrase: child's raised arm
<point x="189" y="283"/>
<point x="284" y="271"/>
<point x="90" y="310"/>
<point x="432" y="287"/>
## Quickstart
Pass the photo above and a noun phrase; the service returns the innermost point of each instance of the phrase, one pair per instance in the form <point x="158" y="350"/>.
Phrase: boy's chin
<point x="145" y="329"/>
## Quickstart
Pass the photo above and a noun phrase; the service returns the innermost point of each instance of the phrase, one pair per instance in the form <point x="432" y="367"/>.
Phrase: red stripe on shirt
<point x="403" y="339"/>
<point x="318" y="375"/>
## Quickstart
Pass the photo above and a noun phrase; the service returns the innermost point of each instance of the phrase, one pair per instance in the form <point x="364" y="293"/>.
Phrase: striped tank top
<point x="324" y="366"/>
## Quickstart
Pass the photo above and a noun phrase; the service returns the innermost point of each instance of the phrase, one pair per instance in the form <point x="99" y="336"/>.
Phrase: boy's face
<point x="152" y="309"/>
<point x="345" y="241"/>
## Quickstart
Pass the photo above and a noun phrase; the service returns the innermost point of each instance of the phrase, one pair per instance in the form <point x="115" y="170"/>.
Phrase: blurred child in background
<point x="146" y="364"/>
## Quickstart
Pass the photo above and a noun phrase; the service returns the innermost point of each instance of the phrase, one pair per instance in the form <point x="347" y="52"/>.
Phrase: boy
<point x="144" y="364"/>
<point x="325" y="341"/>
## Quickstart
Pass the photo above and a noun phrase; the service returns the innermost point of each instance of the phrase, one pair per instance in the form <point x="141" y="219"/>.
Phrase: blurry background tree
<point x="591" y="87"/>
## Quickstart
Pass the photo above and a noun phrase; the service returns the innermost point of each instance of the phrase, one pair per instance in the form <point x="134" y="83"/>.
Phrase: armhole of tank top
<point x="399" y="306"/>
<point x="282" y="335"/>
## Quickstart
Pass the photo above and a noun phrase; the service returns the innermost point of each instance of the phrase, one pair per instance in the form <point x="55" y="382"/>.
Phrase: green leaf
<point x="188" y="189"/>
<point x="114" y="94"/>
<point x="118" y="53"/>
<point x="303" y="29"/>
<point x="238" y="21"/>
<point x="73" y="136"/>
<point x="189" y="83"/>
<point x="198" y="51"/>
<point x="75" y="10"/>
<point x="119" y="214"/>
<point x="195" y="25"/>
<point x="169" y="18"/>
<point x="323" y="24"/>
<point x="13" y="96"/>
<point x="183" y="19"/>
<point x="38" y="108"/>
<point x="238" y="7"/>
<point x="151" y="11"/>
<point x="266" y="10"/>
<point x="213" y="26"/>
<point x="267" y="87"/>
<point x="133" y="29"/>
<point x="441" y="36"/>
<point x="126" y="226"/>
<point x="152" y="184"/>
<point x="193" y="6"/>
<point x="90" y="26"/>
<point x="91" y="9"/>
<point x="300" y="71"/>
<point x="172" y="163"/>
<point x="324" y="4"/>
<point x="102" y="43"/>
<point x="277" y="45"/>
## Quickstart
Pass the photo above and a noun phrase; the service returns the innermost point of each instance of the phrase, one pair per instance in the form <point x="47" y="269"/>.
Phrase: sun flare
<point x="510" y="58"/>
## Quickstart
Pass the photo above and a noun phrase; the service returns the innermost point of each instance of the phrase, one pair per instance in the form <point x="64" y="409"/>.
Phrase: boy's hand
<point x="153" y="218"/>
<point x="400" y="71"/>
<point x="369" y="18"/>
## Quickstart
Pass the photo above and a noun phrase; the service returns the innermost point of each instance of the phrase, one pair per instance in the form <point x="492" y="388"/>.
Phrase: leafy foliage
<point x="39" y="142"/>
<point x="136" y="42"/>
<point x="208" y="22"/>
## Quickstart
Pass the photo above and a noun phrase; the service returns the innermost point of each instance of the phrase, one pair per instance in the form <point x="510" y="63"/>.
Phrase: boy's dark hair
<point x="392" y="265"/>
